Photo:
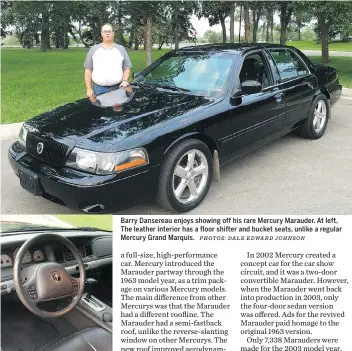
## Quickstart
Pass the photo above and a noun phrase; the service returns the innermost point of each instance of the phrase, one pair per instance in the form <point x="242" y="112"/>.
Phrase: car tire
<point x="183" y="186"/>
<point x="315" y="124"/>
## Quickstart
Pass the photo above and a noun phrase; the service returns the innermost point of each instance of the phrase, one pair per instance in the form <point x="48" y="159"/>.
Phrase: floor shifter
<point x="90" y="283"/>
<point x="91" y="300"/>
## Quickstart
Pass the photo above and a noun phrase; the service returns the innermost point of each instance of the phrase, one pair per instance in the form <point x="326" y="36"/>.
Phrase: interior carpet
<point x="22" y="330"/>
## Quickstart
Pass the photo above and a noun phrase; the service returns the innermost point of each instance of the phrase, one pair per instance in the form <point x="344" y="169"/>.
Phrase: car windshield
<point x="9" y="227"/>
<point x="199" y="73"/>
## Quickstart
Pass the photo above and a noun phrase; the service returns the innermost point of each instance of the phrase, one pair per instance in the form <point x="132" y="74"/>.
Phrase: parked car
<point x="167" y="134"/>
<point x="56" y="288"/>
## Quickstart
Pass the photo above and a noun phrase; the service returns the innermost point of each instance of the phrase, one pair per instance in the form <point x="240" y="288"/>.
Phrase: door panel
<point x="256" y="120"/>
<point x="298" y="85"/>
<point x="298" y="98"/>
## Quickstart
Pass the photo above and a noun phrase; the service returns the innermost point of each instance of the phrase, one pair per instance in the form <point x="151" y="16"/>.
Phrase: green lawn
<point x="312" y="45"/>
<point x="34" y="82"/>
<point x="98" y="221"/>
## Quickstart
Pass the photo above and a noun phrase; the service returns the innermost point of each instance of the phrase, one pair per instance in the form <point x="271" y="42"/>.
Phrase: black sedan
<point x="167" y="134"/>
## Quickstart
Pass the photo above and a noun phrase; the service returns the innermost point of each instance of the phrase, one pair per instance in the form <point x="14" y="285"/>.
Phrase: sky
<point x="202" y="25"/>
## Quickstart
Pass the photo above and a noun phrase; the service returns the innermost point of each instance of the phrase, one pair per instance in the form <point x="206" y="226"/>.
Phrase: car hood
<point x="97" y="127"/>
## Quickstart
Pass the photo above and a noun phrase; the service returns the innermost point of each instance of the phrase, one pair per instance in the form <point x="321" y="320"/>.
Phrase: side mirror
<point x="251" y="87"/>
<point x="136" y="74"/>
<point x="236" y="98"/>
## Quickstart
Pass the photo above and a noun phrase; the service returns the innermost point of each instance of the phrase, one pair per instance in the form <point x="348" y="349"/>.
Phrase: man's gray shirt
<point x="107" y="64"/>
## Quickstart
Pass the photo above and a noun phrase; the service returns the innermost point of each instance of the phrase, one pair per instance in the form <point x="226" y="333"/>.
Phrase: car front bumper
<point x="83" y="191"/>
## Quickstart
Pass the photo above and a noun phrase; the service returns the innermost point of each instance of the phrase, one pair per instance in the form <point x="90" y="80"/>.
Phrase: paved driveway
<point x="331" y="53"/>
<point x="288" y="176"/>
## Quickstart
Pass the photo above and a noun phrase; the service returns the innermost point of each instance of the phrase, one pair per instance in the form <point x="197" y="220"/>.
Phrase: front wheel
<point x="317" y="120"/>
<point x="185" y="176"/>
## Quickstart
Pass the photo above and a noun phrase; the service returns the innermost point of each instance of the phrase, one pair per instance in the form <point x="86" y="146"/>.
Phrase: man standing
<point x="107" y="65"/>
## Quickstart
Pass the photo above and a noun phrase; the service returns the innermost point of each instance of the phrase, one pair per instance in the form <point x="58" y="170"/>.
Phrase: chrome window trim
<point x="284" y="82"/>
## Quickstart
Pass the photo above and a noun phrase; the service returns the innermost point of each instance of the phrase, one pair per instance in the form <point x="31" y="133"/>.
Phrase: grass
<point x="98" y="221"/>
<point x="34" y="82"/>
<point x="313" y="45"/>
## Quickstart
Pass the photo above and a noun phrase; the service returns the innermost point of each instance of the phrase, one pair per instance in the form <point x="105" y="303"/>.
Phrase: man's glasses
<point x="107" y="31"/>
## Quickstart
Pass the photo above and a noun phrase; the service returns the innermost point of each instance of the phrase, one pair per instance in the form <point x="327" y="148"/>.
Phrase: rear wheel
<point x="185" y="176"/>
<point x="317" y="120"/>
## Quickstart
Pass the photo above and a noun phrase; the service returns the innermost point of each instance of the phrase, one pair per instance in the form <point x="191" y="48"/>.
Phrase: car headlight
<point x="22" y="136"/>
<point x="106" y="163"/>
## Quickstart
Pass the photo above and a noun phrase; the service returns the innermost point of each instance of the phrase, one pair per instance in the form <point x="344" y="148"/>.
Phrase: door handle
<point x="278" y="97"/>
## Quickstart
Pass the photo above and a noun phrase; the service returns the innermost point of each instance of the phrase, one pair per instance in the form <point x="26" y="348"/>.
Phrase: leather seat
<point x="92" y="339"/>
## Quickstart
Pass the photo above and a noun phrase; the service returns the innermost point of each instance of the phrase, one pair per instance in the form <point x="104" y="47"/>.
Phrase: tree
<point x="257" y="8"/>
<point x="345" y="30"/>
<point x="91" y="16"/>
<point x="179" y="18"/>
<point x="148" y="39"/>
<point x="134" y="23"/>
<point x="240" y="24"/>
<point x="25" y="17"/>
<point x="268" y="13"/>
<point x="232" y="22"/>
<point x="164" y="28"/>
<point x="45" y="34"/>
<point x="119" y="11"/>
<point x="271" y="21"/>
<point x="5" y="5"/>
<point x="247" y="28"/>
<point x="151" y="12"/>
<point x="264" y="25"/>
<point x="308" y="34"/>
<point x="286" y="10"/>
<point x="213" y="37"/>
<point x="301" y="16"/>
<point x="216" y="12"/>
<point x="328" y="15"/>
<point x="61" y="23"/>
<point x="144" y="17"/>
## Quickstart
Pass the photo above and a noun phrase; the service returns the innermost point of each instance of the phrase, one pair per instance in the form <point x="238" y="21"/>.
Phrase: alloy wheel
<point x="190" y="176"/>
<point x="320" y="115"/>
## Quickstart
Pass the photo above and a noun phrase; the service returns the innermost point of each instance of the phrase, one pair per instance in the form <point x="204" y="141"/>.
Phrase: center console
<point x="94" y="309"/>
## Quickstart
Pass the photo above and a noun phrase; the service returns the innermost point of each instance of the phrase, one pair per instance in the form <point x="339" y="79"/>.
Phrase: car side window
<point x="254" y="67"/>
<point x="285" y="64"/>
<point x="300" y="66"/>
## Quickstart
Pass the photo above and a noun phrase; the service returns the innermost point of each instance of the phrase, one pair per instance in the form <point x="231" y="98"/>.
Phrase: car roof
<point x="235" y="48"/>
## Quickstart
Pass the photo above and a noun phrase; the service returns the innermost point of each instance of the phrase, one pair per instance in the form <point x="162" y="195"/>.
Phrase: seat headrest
<point x="251" y="65"/>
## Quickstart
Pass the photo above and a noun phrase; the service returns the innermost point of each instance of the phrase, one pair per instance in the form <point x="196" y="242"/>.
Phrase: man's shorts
<point x="99" y="89"/>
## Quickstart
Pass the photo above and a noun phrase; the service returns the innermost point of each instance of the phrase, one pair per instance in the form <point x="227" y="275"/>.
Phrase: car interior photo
<point x="56" y="288"/>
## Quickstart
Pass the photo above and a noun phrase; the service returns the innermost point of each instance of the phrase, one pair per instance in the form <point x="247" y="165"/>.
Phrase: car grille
<point x="53" y="153"/>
